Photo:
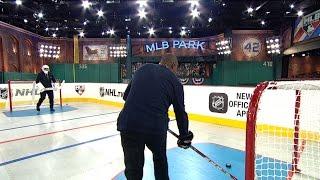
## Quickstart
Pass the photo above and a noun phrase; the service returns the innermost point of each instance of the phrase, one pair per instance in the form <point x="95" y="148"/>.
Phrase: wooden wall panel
<point x="304" y="67"/>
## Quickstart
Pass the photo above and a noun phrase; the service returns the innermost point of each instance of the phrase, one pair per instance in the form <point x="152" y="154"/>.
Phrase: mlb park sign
<point x="175" y="44"/>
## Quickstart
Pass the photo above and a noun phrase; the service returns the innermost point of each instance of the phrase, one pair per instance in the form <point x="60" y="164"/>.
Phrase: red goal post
<point x="24" y="93"/>
<point x="283" y="131"/>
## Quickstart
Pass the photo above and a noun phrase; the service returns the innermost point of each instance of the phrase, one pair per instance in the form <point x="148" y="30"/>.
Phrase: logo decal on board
<point x="218" y="102"/>
<point x="3" y="93"/>
<point x="80" y="89"/>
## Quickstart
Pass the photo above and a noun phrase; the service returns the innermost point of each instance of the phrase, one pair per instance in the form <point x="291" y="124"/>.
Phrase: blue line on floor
<point x="54" y="150"/>
<point x="52" y="122"/>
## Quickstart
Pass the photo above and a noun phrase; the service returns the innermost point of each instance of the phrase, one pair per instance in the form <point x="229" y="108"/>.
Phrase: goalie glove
<point x="39" y="86"/>
<point x="185" y="141"/>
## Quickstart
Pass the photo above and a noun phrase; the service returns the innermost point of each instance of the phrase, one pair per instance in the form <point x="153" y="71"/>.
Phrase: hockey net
<point x="23" y="94"/>
<point x="283" y="131"/>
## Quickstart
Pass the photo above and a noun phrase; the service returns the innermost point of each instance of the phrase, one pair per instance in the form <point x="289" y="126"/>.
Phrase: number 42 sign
<point x="251" y="47"/>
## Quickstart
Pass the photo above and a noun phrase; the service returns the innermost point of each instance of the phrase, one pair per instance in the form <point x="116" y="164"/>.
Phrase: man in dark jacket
<point x="144" y="119"/>
<point x="46" y="79"/>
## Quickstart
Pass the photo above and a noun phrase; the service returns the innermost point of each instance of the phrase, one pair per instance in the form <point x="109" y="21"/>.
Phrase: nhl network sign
<point x="191" y="44"/>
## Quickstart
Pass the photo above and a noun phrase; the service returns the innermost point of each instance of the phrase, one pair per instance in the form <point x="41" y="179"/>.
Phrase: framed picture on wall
<point x="95" y="52"/>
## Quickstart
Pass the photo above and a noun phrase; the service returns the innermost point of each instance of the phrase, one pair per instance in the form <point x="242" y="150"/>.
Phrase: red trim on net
<point x="300" y="151"/>
<point x="60" y="97"/>
<point x="251" y="130"/>
<point x="296" y="151"/>
<point x="10" y="95"/>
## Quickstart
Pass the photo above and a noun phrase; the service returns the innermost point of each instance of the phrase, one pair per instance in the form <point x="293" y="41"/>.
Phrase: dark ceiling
<point x="66" y="18"/>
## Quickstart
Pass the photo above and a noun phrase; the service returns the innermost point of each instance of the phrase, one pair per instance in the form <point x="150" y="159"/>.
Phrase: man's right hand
<point x="185" y="141"/>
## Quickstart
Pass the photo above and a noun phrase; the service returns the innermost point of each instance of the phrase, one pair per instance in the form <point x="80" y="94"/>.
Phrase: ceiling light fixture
<point x="193" y="3"/>
<point x="86" y="4"/>
<point x="151" y="31"/>
<point x="111" y="31"/>
<point x="195" y="13"/>
<point x="257" y="8"/>
<point x="183" y="33"/>
<point x="250" y="10"/>
<point x="18" y="2"/>
<point x="142" y="3"/>
<point x="40" y="15"/>
<point x="100" y="13"/>
<point x="142" y="13"/>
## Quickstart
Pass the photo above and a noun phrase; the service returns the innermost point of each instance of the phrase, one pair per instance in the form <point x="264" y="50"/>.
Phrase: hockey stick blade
<point x="207" y="158"/>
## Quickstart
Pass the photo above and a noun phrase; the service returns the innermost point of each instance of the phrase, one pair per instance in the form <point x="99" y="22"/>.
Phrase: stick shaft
<point x="206" y="157"/>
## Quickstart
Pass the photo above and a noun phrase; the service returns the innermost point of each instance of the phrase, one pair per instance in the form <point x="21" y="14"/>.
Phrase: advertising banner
<point x="180" y="47"/>
<point x="307" y="27"/>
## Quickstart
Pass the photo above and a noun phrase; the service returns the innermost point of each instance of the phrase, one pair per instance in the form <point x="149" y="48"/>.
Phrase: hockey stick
<point x="207" y="158"/>
<point x="53" y="88"/>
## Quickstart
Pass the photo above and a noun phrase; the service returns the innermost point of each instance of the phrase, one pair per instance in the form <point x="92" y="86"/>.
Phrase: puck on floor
<point x="228" y="165"/>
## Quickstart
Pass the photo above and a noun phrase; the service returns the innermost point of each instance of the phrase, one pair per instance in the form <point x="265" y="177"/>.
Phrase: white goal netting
<point x="287" y="131"/>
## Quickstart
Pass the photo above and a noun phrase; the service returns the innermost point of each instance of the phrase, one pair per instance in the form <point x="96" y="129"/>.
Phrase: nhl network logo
<point x="80" y="89"/>
<point x="3" y="93"/>
<point x="218" y="102"/>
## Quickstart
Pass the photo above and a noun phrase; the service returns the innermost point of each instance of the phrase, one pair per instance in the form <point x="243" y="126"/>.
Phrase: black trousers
<point x="133" y="145"/>
<point x="43" y="96"/>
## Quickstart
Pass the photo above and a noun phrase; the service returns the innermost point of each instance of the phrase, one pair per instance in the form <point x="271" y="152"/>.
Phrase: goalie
<point x="46" y="79"/>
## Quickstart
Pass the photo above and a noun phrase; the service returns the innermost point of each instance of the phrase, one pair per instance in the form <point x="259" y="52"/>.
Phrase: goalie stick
<point x="53" y="88"/>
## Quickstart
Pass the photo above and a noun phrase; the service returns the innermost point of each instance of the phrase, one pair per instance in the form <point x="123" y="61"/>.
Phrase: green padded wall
<point x="88" y="74"/>
<point x="242" y="73"/>
<point x="217" y="74"/>
<point x="62" y="72"/>
<point x="1" y="78"/>
<point x="11" y="76"/>
<point x="115" y="73"/>
<point x="18" y="76"/>
<point x="103" y="73"/>
<point x="229" y="73"/>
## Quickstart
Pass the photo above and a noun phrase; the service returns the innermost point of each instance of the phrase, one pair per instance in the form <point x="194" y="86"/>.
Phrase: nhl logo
<point x="218" y="102"/>
<point x="80" y="89"/>
<point x="101" y="91"/>
<point x="3" y="93"/>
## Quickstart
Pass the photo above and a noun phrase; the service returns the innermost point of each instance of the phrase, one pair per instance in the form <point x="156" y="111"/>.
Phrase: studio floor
<point x="80" y="141"/>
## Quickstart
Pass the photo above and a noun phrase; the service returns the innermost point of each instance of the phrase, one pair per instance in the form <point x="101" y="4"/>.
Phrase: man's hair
<point x="169" y="60"/>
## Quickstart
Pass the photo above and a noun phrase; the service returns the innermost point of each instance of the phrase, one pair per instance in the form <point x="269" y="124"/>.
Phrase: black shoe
<point x="52" y="110"/>
<point x="38" y="108"/>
